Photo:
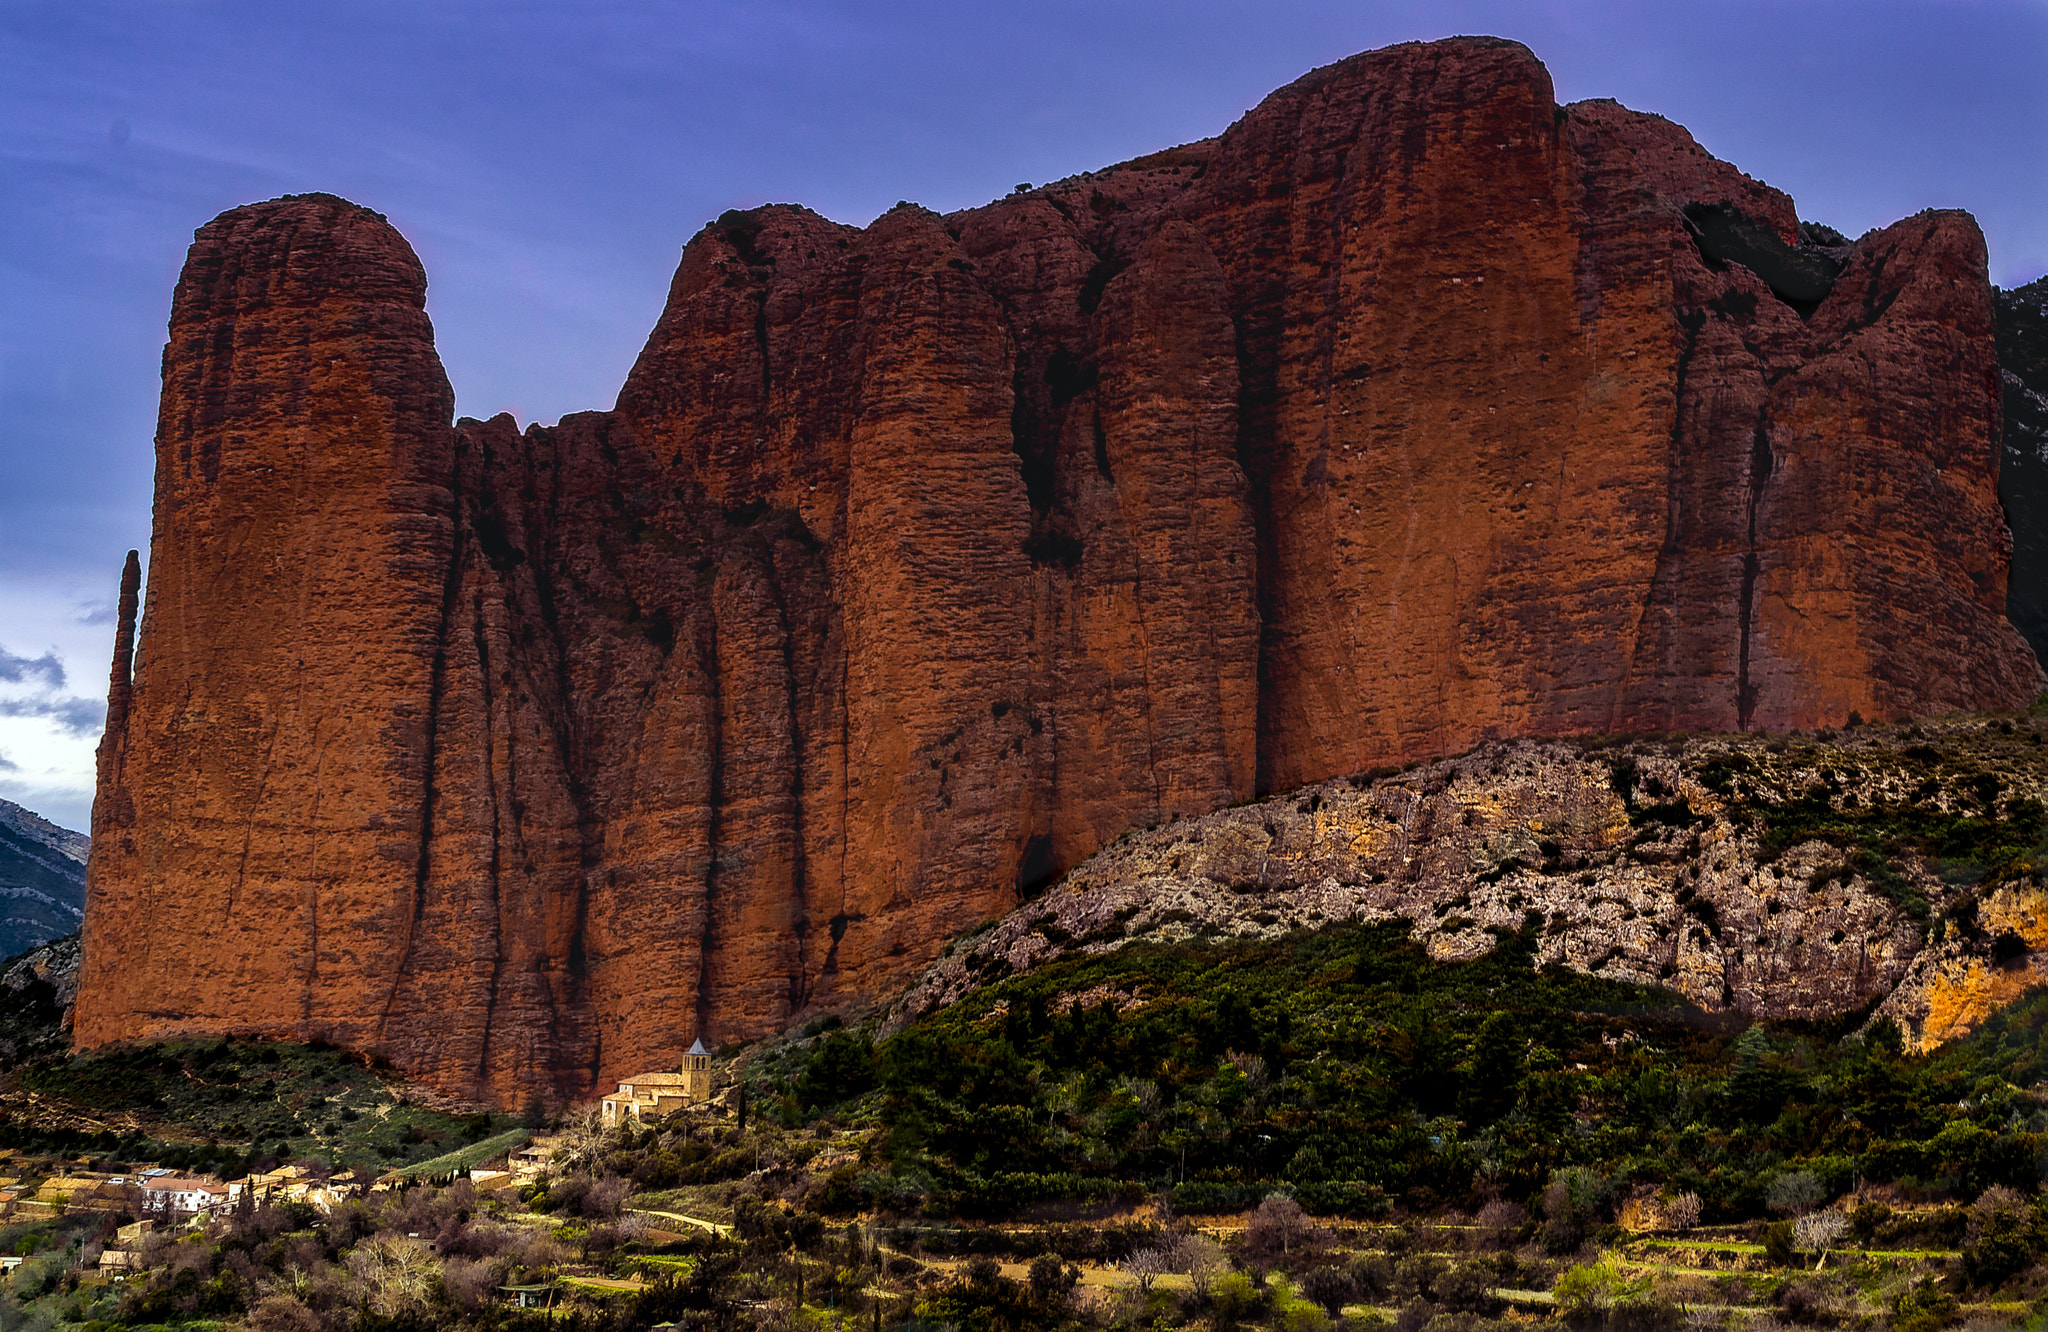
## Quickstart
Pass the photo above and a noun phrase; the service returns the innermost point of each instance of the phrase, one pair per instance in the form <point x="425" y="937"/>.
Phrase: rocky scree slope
<point x="1890" y="872"/>
<point x="42" y="879"/>
<point x="917" y="562"/>
<point x="36" y="992"/>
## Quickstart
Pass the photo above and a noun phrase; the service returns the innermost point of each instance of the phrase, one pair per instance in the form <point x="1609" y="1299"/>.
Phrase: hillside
<point x="42" y="879"/>
<point x="205" y="1105"/>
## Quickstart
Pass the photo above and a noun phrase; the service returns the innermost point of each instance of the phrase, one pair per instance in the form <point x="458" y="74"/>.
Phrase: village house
<point x="288" y="1183"/>
<point x="70" y="1193"/>
<point x="351" y="1183"/>
<point x="652" y="1095"/>
<point x="182" y="1193"/>
<point x="531" y="1161"/>
<point x="124" y="1255"/>
<point x="490" y="1180"/>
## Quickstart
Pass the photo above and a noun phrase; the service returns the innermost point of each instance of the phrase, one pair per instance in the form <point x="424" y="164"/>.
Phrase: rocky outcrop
<point x="37" y="989"/>
<point x="917" y="562"/>
<point x="42" y="879"/>
<point x="1879" y="872"/>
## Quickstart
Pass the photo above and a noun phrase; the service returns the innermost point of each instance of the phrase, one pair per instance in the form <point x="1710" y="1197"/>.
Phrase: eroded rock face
<point x="917" y="562"/>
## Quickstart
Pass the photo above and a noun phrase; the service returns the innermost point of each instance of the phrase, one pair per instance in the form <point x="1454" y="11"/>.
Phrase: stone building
<point x="652" y="1095"/>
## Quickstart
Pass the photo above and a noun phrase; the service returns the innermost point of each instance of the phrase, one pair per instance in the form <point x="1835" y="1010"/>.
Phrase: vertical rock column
<point x="261" y="801"/>
<point x="1165" y="604"/>
<point x="934" y="591"/>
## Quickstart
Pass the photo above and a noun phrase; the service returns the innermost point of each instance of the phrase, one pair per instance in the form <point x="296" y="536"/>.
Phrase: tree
<point x="1817" y="1232"/>
<point x="400" y="1273"/>
<point x="1280" y="1229"/>
<point x="1146" y="1266"/>
<point x="841" y="1066"/>
<point x="1415" y="1276"/>
<point x="1197" y="1257"/>
<point x="1585" y="1293"/>
<point x="1373" y="1273"/>
<point x="1501" y="1221"/>
<point x="583" y="1139"/>
<point x="1682" y="1213"/>
<point x="1051" y="1280"/>
<point x="1493" y="1074"/>
<point x="1924" y="1306"/>
<point x="1570" y="1203"/>
<point x="1330" y="1287"/>
<point x="1466" y="1288"/>
<point x="1795" y="1191"/>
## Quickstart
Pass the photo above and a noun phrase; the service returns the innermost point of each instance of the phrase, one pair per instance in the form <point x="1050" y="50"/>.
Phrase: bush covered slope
<point x="1348" y="1068"/>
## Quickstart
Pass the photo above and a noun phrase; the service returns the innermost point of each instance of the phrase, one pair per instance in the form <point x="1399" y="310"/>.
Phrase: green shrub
<point x="1588" y="1293"/>
<point x="2004" y="1235"/>
<point x="1924" y="1307"/>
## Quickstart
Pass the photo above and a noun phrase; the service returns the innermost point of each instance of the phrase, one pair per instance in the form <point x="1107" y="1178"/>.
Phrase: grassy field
<point x="463" y="1158"/>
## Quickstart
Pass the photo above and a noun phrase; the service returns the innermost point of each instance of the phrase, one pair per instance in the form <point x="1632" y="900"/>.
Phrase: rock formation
<point x="918" y="561"/>
<point x="1873" y="872"/>
<point x="37" y="988"/>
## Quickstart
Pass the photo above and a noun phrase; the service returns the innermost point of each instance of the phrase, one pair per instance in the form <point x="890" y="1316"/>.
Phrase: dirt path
<point x="604" y="1283"/>
<point x="715" y="1227"/>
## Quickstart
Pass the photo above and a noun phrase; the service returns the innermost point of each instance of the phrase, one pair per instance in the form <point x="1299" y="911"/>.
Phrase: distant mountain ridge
<point x="42" y="879"/>
<point x="2022" y="331"/>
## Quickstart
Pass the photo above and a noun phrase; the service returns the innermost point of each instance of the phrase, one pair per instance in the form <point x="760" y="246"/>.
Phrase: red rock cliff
<point x="916" y="562"/>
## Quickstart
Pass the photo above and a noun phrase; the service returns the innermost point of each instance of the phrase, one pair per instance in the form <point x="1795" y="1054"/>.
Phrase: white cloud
<point x="50" y="720"/>
<point x="81" y="717"/>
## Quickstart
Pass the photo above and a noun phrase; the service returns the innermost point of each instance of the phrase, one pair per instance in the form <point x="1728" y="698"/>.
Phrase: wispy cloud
<point x="41" y="693"/>
<point x="97" y="613"/>
<point x="25" y="670"/>
<point x="77" y="716"/>
<point x="7" y="764"/>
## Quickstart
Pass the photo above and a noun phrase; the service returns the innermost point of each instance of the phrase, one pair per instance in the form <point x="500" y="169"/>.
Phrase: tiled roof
<point x="182" y="1184"/>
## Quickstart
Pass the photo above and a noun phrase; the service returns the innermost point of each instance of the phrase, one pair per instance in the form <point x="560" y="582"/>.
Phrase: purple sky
<point x="549" y="161"/>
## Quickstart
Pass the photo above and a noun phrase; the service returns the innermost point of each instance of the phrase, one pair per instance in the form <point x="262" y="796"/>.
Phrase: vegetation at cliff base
<point x="220" y="1105"/>
<point x="1350" y="1070"/>
<point x="1324" y="1129"/>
